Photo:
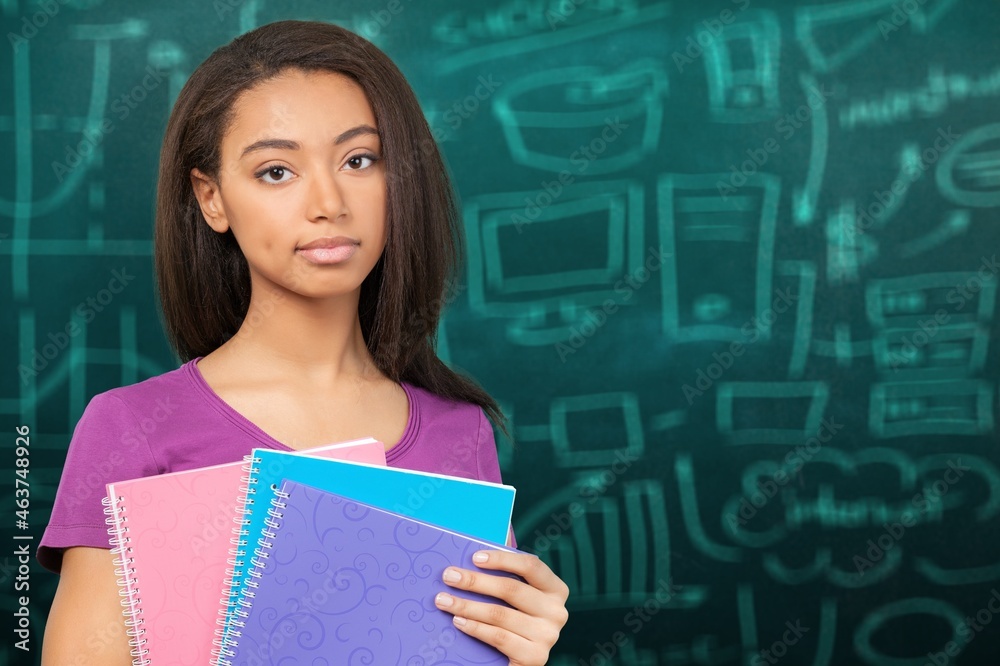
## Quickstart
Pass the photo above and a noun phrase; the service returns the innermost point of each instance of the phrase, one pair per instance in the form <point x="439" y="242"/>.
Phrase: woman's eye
<point x="277" y="171"/>
<point x="355" y="162"/>
<point x="276" y="174"/>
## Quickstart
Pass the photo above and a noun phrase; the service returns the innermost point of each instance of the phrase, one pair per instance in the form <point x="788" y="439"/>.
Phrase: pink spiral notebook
<point x="171" y="534"/>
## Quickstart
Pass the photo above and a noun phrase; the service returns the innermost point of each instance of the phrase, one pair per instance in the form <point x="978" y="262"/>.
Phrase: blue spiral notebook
<point x="340" y="581"/>
<point x="479" y="509"/>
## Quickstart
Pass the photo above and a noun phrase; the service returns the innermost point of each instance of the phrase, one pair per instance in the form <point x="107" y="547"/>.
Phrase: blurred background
<point x="732" y="273"/>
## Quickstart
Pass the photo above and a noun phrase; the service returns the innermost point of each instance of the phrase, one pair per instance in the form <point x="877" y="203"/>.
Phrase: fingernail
<point x="460" y="621"/>
<point x="452" y="576"/>
<point x="480" y="557"/>
<point x="444" y="600"/>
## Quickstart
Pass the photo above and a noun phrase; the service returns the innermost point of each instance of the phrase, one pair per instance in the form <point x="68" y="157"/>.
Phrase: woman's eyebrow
<point x="286" y="144"/>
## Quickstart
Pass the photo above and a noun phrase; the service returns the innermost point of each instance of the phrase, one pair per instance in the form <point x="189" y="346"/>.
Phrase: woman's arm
<point x="85" y="624"/>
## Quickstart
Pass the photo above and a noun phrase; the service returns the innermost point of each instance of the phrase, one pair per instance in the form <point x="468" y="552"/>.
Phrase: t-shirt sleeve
<point x="487" y="462"/>
<point x="107" y="446"/>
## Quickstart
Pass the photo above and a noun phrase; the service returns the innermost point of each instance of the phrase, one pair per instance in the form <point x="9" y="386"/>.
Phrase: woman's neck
<point x="319" y="343"/>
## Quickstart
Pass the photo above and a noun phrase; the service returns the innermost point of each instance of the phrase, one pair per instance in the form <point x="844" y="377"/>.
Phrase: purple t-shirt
<point x="175" y="421"/>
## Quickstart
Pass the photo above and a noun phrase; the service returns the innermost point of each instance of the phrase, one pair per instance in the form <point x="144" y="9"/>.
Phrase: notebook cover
<point x="340" y="581"/>
<point x="176" y="530"/>
<point x="468" y="506"/>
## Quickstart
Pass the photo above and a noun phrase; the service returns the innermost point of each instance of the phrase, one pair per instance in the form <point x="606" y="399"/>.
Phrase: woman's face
<point x="301" y="163"/>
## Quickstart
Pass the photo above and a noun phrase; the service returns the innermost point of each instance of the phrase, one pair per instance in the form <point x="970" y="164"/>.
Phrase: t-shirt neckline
<point x="198" y="380"/>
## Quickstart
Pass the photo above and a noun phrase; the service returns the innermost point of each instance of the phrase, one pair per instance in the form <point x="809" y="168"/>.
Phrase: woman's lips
<point x="328" y="255"/>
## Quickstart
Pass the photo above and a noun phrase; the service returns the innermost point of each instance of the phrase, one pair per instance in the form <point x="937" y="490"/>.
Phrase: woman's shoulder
<point x="451" y="437"/>
<point x="446" y="419"/>
<point x="435" y="407"/>
<point x="159" y="393"/>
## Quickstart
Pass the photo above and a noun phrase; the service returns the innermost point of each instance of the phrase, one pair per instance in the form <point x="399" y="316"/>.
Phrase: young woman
<point x="305" y="231"/>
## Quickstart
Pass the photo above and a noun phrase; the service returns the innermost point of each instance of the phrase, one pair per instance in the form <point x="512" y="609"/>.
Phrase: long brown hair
<point x="203" y="277"/>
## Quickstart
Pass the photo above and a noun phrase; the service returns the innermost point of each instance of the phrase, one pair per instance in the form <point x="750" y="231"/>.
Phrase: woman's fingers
<point x="519" y="650"/>
<point x="525" y="630"/>
<point x="529" y="567"/>
<point x="516" y="622"/>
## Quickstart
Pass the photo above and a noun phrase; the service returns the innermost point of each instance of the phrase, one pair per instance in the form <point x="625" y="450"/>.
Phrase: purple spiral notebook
<point x="342" y="582"/>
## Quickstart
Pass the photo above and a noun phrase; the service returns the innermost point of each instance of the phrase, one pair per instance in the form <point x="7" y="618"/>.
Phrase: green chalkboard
<point x="732" y="273"/>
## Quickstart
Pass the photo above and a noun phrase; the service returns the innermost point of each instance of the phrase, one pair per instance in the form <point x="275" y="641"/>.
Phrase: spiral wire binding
<point x="237" y="552"/>
<point x="128" y="582"/>
<point x="244" y="599"/>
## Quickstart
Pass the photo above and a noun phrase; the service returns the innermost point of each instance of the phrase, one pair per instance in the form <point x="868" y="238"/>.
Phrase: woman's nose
<point x="326" y="199"/>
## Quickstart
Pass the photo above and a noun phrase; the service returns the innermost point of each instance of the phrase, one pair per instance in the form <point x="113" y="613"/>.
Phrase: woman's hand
<point x="524" y="633"/>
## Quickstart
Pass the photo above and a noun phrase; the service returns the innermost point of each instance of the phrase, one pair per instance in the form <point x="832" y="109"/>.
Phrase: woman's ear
<point x="206" y="190"/>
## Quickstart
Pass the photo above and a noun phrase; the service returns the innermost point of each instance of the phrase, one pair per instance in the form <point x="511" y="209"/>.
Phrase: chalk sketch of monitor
<point x="619" y="432"/>
<point x="542" y="261"/>
<point x="761" y="412"/>
<point x="919" y="332"/>
<point x="939" y="407"/>
<point x="710" y="230"/>
<point x="742" y="66"/>
<point x="551" y="116"/>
